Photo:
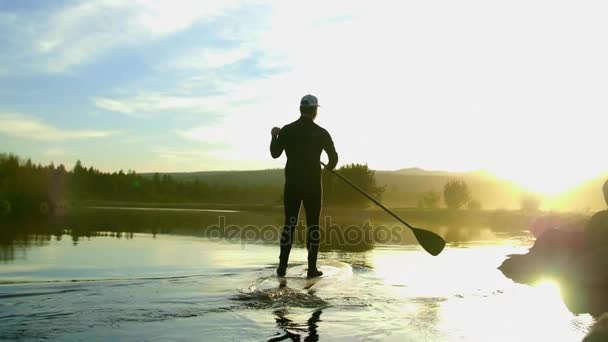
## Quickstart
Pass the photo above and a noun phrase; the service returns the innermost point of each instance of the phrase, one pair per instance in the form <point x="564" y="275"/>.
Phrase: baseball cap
<point x="309" y="101"/>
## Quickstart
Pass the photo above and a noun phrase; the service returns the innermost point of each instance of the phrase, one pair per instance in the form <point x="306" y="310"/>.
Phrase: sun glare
<point x="546" y="180"/>
<point x="548" y="287"/>
<point x="547" y="184"/>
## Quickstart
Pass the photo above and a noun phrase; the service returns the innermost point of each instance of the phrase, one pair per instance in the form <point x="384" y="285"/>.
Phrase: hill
<point x="404" y="187"/>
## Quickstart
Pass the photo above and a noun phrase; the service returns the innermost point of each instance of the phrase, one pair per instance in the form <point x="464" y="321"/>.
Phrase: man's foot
<point x="314" y="273"/>
<point x="281" y="271"/>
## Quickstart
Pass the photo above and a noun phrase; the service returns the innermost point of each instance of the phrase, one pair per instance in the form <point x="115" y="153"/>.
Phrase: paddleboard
<point x="295" y="277"/>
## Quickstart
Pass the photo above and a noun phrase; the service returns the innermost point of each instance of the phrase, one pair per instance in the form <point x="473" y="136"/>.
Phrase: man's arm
<point x="330" y="149"/>
<point x="276" y="144"/>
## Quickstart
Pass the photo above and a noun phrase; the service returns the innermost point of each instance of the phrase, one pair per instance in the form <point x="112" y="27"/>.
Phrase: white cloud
<point x="210" y="134"/>
<point x="82" y="31"/>
<point x="153" y="103"/>
<point x="167" y="159"/>
<point x="113" y="105"/>
<point x="26" y="127"/>
<point x="209" y="58"/>
<point x="167" y="16"/>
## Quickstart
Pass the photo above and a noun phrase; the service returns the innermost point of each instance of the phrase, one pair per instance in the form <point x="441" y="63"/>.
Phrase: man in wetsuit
<point x="303" y="142"/>
<point x="597" y="228"/>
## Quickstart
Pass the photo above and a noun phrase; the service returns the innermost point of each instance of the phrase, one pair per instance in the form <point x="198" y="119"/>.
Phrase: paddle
<point x="430" y="241"/>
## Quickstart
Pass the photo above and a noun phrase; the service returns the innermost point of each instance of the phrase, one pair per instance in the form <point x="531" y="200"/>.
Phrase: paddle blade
<point x="431" y="242"/>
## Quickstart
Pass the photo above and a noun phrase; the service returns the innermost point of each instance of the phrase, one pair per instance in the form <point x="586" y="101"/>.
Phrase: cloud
<point x="22" y="126"/>
<point x="150" y="103"/>
<point x="114" y="105"/>
<point x="166" y="159"/>
<point x="210" y="134"/>
<point x="209" y="58"/>
<point x="80" y="32"/>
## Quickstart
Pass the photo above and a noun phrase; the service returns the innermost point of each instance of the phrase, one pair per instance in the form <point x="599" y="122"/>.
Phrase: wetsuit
<point x="597" y="234"/>
<point x="303" y="142"/>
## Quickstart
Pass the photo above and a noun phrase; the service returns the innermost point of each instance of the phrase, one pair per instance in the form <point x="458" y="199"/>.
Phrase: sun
<point x="546" y="180"/>
<point x="548" y="286"/>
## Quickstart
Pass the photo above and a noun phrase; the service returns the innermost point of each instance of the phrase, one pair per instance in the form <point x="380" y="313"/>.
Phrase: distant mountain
<point x="404" y="187"/>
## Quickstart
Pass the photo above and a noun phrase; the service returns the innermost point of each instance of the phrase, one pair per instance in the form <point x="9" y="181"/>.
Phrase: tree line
<point x="27" y="188"/>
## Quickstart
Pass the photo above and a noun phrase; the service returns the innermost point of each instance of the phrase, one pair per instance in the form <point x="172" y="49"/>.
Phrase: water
<point x="161" y="287"/>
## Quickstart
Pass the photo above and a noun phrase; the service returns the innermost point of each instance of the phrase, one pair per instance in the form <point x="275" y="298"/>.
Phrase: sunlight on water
<point x="463" y="269"/>
<point x="466" y="296"/>
<point x="517" y="313"/>
<point x="395" y="293"/>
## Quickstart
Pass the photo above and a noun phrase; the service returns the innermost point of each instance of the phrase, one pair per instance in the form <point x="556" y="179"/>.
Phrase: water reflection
<point x="342" y="230"/>
<point x="396" y="292"/>
<point x="433" y="292"/>
<point x="293" y="331"/>
<point x="227" y="226"/>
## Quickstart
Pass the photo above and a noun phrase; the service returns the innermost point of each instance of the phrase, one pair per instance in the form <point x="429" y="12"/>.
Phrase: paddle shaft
<point x="370" y="197"/>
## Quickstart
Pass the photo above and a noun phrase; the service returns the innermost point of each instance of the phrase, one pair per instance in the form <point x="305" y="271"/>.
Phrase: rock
<point x="566" y="258"/>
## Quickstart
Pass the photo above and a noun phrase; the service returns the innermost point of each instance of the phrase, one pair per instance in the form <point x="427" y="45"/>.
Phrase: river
<point x="157" y="286"/>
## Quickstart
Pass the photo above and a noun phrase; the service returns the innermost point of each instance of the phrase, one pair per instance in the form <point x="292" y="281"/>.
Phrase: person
<point x="597" y="228"/>
<point x="303" y="142"/>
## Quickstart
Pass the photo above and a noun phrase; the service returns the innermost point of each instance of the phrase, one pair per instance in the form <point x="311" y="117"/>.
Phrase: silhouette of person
<point x="597" y="228"/>
<point x="287" y="324"/>
<point x="303" y="142"/>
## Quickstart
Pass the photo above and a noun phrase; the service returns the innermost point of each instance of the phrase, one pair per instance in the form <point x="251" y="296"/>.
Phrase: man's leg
<point x="312" y="205"/>
<point x="291" y="204"/>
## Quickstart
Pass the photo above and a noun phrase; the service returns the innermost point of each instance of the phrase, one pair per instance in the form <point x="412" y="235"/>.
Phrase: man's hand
<point x="275" y="131"/>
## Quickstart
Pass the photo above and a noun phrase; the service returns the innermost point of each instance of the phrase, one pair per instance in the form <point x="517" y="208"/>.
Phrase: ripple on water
<point x="278" y="298"/>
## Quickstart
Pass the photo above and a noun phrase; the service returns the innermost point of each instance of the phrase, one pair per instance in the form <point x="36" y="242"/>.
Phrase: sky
<point x="516" y="88"/>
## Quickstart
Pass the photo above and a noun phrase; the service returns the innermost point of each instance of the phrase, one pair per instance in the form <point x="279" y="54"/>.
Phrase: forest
<point x="28" y="189"/>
